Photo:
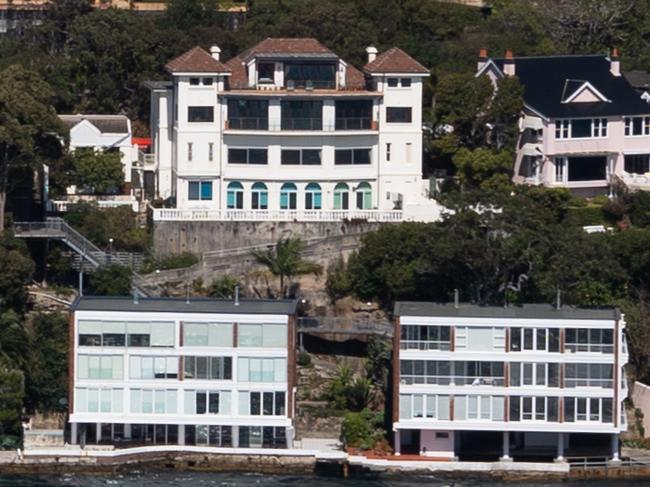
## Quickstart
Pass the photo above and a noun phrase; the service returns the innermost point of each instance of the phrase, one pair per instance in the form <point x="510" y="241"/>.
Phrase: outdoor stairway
<point x="58" y="229"/>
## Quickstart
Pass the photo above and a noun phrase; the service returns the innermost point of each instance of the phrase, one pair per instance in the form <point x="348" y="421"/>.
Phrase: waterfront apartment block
<point x="583" y="124"/>
<point x="518" y="381"/>
<point x="169" y="371"/>
<point x="289" y="131"/>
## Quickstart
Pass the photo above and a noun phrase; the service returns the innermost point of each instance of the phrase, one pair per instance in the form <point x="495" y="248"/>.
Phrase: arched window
<point x="288" y="196"/>
<point x="313" y="197"/>
<point x="259" y="197"/>
<point x="364" y="196"/>
<point x="235" y="196"/>
<point x="341" y="196"/>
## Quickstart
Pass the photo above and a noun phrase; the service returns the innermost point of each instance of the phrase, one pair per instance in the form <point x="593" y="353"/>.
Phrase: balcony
<point x="175" y="214"/>
<point x="355" y="123"/>
<point x="444" y="345"/>
<point x="314" y="123"/>
<point x="247" y="123"/>
<point x="147" y="161"/>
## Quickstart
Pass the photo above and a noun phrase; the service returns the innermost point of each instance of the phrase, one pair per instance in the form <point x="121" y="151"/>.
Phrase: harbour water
<point x="176" y="479"/>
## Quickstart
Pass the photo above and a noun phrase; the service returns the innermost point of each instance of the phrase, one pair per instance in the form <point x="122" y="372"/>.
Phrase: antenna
<point x="187" y="293"/>
<point x="236" y="303"/>
<point x="558" y="299"/>
<point x="456" y="298"/>
<point x="136" y="298"/>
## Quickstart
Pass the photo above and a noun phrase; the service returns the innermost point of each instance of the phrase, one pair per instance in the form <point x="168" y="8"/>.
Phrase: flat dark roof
<point x="531" y="311"/>
<point x="179" y="305"/>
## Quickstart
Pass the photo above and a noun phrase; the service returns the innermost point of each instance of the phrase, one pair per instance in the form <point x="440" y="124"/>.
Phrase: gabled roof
<point x="574" y="88"/>
<point x="394" y="61"/>
<point x="196" y="60"/>
<point x="545" y="80"/>
<point x="106" y="124"/>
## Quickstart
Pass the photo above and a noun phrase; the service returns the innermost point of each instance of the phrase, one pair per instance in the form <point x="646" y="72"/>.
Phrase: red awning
<point x="142" y="141"/>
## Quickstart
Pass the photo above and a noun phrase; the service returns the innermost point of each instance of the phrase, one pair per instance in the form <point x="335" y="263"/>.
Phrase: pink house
<point x="582" y="123"/>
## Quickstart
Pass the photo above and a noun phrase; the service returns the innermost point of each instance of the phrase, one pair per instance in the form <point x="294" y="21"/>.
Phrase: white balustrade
<point x="173" y="214"/>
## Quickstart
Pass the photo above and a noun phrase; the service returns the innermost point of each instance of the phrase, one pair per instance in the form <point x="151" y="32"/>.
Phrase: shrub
<point x="172" y="261"/>
<point x="362" y="429"/>
<point x="338" y="283"/>
<point x="347" y="392"/>
<point x="586" y="215"/>
<point x="224" y="287"/>
<point x="110" y="280"/>
<point x="304" y="359"/>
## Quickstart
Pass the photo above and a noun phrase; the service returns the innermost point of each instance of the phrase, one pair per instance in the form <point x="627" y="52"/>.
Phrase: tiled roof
<point x="106" y="124"/>
<point x="196" y="60"/>
<point x="394" y="61"/>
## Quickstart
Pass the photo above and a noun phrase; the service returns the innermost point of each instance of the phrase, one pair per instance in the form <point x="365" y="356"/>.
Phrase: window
<point x="364" y="196"/>
<point x="207" y="402"/>
<point x="98" y="400"/>
<point x="637" y="163"/>
<point x="353" y="114"/>
<point x="529" y="408"/>
<point x="307" y="157"/>
<point x="195" y="81"/>
<point x="313" y="197"/>
<point x="581" y="128"/>
<point x="189" y="151"/>
<point x="423" y="406"/>
<point x="560" y="169"/>
<point x="255" y="369"/>
<point x="351" y="156"/>
<point x="158" y="401"/>
<point x="388" y="151"/>
<point x="207" y="334"/>
<point x="235" y="196"/>
<point x="393" y="82"/>
<point x="100" y="367"/>
<point x="262" y="403"/>
<point x="425" y="337"/>
<point x="341" y="196"/>
<point x="589" y="340"/>
<point x="534" y="374"/>
<point x="562" y="129"/>
<point x="200" y="114"/>
<point x="589" y="375"/>
<point x="265" y="73"/>
<point x="248" y="114"/>
<point x="120" y="334"/>
<point x="146" y="367"/>
<point x="302" y="115"/>
<point x="210" y="151"/>
<point x="199" y="190"/>
<point x="476" y="407"/>
<point x="588" y="168"/>
<point x="288" y="196"/>
<point x="247" y="156"/>
<point x="592" y="409"/>
<point x="207" y="81"/>
<point x="479" y="338"/>
<point x="262" y="437"/>
<point x="405" y="82"/>
<point x="635" y="126"/>
<point x="398" y="114"/>
<point x="259" y="197"/>
<point x="541" y="339"/>
<point x="310" y="74"/>
<point x="210" y="368"/>
<point x="442" y="372"/>
<point x="269" y="335"/>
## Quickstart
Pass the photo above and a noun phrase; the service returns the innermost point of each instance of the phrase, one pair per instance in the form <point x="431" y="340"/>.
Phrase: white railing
<point x="148" y="161"/>
<point x="61" y="206"/>
<point x="174" y="214"/>
<point x="636" y="180"/>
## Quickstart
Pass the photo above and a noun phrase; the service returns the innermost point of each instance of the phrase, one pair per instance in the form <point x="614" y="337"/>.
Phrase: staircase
<point x="58" y="229"/>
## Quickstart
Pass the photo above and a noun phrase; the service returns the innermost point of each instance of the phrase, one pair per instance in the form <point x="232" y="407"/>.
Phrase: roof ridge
<point x="552" y="56"/>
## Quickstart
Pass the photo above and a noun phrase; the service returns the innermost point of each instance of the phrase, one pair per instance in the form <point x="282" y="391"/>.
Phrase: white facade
<point x="535" y="375"/>
<point x="158" y="374"/>
<point x="253" y="159"/>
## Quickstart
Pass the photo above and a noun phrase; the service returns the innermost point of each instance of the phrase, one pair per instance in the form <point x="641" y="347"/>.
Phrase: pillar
<point x="506" y="447"/>
<point x="560" y="448"/>
<point x="290" y="432"/>
<point x="615" y="457"/>
<point x="235" y="436"/>
<point x="73" y="434"/>
<point x="398" y="443"/>
<point x="181" y="434"/>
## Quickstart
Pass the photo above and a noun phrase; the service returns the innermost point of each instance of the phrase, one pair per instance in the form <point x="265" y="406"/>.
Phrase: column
<point x="235" y="436"/>
<point x="506" y="447"/>
<point x="181" y="434"/>
<point x="73" y="434"/>
<point x="398" y="443"/>
<point x="615" y="457"/>
<point x="560" y="448"/>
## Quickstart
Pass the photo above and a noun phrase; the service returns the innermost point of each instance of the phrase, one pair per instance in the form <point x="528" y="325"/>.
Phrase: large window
<point x="235" y="196"/>
<point x="248" y="156"/>
<point x="581" y="128"/>
<point x="262" y="403"/>
<point x="207" y="334"/>
<point x="248" y="114"/>
<point x="588" y="168"/>
<point x="262" y="437"/>
<point x="252" y="369"/>
<point x="341" y="196"/>
<point x="100" y="367"/>
<point x="313" y="197"/>
<point x="589" y="375"/>
<point x="529" y="408"/>
<point x="302" y="115"/>
<point x="310" y="75"/>
<point x="213" y="435"/>
<point x="158" y="401"/>
<point x="288" y="196"/>
<point x="594" y="409"/>
<point x="443" y="372"/>
<point x="353" y="114"/>
<point x="474" y="407"/>
<point x="265" y="73"/>
<point x="637" y="163"/>
<point x="98" y="400"/>
<point x="262" y="335"/>
<point x="425" y="337"/>
<point x="352" y="156"/>
<point x="207" y="402"/>
<point x="199" y="190"/>
<point x="423" y="406"/>
<point x="364" y="196"/>
<point x="534" y="374"/>
<point x="398" y="114"/>
<point x="210" y="368"/>
<point x="478" y="338"/>
<point x="200" y="114"/>
<point x="259" y="197"/>
<point x="589" y="340"/>
<point x="635" y="126"/>
<point x="541" y="339"/>
<point x="145" y="367"/>
<point x="120" y="334"/>
<point x="305" y="157"/>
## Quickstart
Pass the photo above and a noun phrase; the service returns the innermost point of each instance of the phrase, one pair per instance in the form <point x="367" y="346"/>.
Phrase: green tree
<point x="286" y="262"/>
<point x="98" y="172"/>
<point x="338" y="283"/>
<point x="13" y="338"/>
<point x="17" y="269"/>
<point x="110" y="280"/>
<point x="224" y="287"/>
<point x="483" y="168"/>
<point x="28" y="124"/>
<point x="12" y="393"/>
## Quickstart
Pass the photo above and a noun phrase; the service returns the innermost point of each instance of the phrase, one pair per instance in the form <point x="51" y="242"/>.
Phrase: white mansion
<point x="289" y="131"/>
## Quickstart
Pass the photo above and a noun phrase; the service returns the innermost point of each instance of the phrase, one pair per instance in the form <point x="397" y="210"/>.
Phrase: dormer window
<point x="265" y="73"/>
<point x="310" y="75"/>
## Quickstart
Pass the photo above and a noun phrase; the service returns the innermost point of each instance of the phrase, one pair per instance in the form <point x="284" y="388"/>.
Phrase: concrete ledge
<point x="528" y="467"/>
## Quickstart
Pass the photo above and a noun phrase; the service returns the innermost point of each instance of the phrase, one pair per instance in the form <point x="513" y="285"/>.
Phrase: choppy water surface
<point x="165" y="479"/>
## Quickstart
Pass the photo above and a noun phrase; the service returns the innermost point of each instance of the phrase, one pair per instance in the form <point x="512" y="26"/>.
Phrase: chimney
<point x="482" y="58"/>
<point x="372" y="53"/>
<point x="615" y="62"/>
<point x="509" y="63"/>
<point x="215" y="51"/>
<point x="236" y="303"/>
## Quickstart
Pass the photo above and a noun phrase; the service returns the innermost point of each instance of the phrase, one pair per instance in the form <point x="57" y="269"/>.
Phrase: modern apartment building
<point x="182" y="372"/>
<point x="583" y="123"/>
<point x="517" y="381"/>
<point x="287" y="130"/>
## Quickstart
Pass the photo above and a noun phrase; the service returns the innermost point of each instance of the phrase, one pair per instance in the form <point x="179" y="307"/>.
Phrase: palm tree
<point x="285" y="261"/>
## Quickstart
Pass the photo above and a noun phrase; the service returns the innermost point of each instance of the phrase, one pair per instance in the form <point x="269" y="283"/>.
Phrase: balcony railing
<point x="425" y="345"/>
<point x="446" y="380"/>
<point x="586" y="382"/>
<point x="174" y="214"/>
<point x="248" y="123"/>
<point x="315" y="123"/>
<point x="355" y="123"/>
<point x="146" y="160"/>
<point x="588" y="347"/>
